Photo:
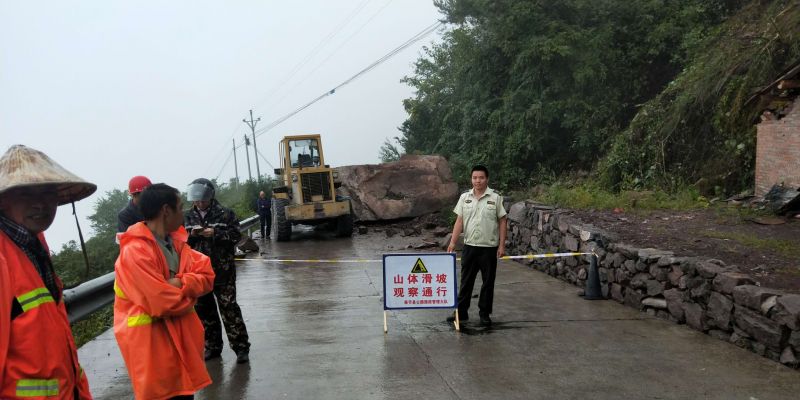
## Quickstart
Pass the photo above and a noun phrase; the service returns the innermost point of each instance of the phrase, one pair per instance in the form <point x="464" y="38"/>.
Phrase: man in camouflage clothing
<point x="214" y="231"/>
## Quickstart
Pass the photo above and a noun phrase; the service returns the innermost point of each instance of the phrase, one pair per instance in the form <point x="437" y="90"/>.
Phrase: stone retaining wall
<point x="705" y="294"/>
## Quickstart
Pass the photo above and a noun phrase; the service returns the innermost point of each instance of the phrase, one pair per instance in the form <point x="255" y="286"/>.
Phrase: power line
<point x="425" y="32"/>
<point x="223" y="166"/>
<point x="321" y="63"/>
<point x="265" y="159"/>
<point x="221" y="150"/>
<point x="300" y="65"/>
<point x="370" y="67"/>
<point x="392" y="53"/>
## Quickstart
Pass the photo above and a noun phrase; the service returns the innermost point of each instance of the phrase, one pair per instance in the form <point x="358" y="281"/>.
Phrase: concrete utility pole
<point x="252" y="124"/>
<point x="247" y="143"/>
<point x="235" y="163"/>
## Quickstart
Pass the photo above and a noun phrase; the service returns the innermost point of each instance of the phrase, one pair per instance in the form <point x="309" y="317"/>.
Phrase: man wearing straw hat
<point x="38" y="357"/>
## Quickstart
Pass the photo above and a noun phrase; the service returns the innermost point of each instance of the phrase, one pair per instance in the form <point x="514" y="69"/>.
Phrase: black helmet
<point x="201" y="189"/>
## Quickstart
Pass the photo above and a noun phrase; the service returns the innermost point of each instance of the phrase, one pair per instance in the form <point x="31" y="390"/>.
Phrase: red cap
<point x="138" y="183"/>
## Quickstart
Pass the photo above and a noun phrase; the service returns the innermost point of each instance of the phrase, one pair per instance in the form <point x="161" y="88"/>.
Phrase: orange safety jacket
<point x="159" y="335"/>
<point x="38" y="357"/>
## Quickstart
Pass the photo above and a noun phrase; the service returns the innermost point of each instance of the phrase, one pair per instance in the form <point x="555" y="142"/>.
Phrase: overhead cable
<point x="300" y="65"/>
<point x="224" y="165"/>
<point x="425" y="32"/>
<point x="265" y="159"/>
<point x="333" y="53"/>
<point x="370" y="67"/>
<point x="222" y="149"/>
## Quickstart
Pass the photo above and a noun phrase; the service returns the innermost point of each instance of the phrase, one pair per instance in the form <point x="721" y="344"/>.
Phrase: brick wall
<point x="778" y="152"/>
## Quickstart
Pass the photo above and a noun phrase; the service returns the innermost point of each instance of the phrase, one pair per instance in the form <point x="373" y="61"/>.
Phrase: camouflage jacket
<point x="221" y="246"/>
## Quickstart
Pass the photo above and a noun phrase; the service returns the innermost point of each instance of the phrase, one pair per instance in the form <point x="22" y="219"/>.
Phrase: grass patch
<point x="737" y="215"/>
<point x="100" y="321"/>
<point x="783" y="247"/>
<point x="448" y="216"/>
<point x="588" y="196"/>
<point x="788" y="271"/>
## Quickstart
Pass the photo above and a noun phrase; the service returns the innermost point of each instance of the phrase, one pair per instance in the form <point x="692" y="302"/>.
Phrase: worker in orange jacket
<point x="38" y="357"/>
<point x="158" y="280"/>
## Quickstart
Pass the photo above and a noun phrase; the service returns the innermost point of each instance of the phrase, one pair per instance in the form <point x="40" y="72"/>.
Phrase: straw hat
<point x="25" y="167"/>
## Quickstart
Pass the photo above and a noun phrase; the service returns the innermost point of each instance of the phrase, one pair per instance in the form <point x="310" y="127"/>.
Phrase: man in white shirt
<point x="482" y="218"/>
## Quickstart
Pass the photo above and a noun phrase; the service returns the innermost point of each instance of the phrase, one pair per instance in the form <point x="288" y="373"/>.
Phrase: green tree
<point x="389" y="151"/>
<point x="702" y="124"/>
<point x="242" y="197"/>
<point x="104" y="219"/>
<point x="101" y="248"/>
<point x="535" y="87"/>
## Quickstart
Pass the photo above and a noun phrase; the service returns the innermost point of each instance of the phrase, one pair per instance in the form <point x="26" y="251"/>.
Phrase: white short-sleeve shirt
<point x="481" y="217"/>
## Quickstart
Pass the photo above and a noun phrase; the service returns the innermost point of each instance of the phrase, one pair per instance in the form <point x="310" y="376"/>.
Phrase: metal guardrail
<point x="248" y="223"/>
<point x="90" y="296"/>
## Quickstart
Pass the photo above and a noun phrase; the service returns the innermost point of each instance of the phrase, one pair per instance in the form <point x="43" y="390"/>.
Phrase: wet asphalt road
<point x="317" y="333"/>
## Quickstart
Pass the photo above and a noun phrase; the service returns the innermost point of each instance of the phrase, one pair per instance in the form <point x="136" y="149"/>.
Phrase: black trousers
<point x="266" y="224"/>
<point x="473" y="260"/>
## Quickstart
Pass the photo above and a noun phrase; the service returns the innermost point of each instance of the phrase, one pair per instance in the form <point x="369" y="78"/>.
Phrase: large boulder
<point x="413" y="186"/>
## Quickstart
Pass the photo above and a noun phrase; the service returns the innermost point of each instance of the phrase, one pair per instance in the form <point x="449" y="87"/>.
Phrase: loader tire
<point x="344" y="224"/>
<point x="283" y="227"/>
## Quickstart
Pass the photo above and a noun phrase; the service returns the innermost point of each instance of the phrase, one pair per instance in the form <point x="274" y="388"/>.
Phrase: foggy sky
<point x="115" y="89"/>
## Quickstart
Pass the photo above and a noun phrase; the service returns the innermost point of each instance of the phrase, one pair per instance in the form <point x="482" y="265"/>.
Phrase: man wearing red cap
<point x="131" y="214"/>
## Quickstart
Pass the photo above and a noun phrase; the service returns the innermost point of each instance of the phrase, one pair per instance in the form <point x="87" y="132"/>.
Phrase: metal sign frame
<point x="422" y="255"/>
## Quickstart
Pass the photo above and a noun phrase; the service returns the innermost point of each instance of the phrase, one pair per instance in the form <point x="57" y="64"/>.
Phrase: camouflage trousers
<point x="231" y="316"/>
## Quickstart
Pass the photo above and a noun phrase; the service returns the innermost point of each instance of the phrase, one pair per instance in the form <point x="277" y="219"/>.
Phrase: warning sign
<point x="419" y="281"/>
<point x="419" y="267"/>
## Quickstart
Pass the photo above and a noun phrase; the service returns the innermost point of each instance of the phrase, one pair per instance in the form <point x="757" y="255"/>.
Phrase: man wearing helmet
<point x="38" y="357"/>
<point x="131" y="214"/>
<point x="214" y="231"/>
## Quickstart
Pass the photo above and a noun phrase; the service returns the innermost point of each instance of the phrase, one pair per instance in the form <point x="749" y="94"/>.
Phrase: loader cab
<point x="304" y="153"/>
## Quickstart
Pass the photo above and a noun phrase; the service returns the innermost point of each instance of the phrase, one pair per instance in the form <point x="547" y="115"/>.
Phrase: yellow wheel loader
<point x="307" y="195"/>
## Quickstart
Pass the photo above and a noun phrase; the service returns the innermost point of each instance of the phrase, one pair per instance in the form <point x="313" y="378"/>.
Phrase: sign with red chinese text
<point x="423" y="280"/>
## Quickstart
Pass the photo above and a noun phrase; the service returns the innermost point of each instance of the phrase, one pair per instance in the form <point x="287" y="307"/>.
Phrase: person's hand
<point x="175" y="282"/>
<point x="501" y="251"/>
<point x="208" y="232"/>
<point x="451" y="248"/>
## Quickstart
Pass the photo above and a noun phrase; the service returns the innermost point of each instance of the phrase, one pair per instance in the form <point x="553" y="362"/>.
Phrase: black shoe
<point x="485" y="320"/>
<point x="242" y="358"/>
<point x="211" y="354"/>
<point x="461" y="317"/>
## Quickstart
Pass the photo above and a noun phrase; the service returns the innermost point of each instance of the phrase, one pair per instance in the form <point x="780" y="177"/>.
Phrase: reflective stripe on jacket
<point x="159" y="335"/>
<point x="38" y="357"/>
